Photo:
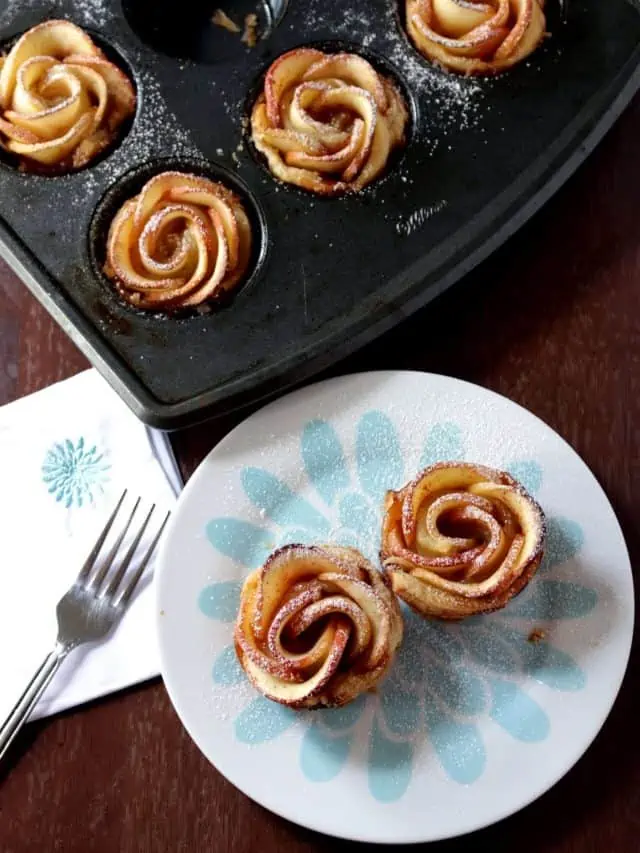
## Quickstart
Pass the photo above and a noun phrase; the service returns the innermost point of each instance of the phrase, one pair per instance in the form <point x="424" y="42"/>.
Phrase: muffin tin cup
<point x="193" y="34"/>
<point x="115" y="55"/>
<point x="130" y="184"/>
<point x="383" y="66"/>
<point x="329" y="274"/>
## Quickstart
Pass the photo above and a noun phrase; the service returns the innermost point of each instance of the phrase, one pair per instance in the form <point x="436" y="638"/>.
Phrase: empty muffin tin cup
<point x="205" y="32"/>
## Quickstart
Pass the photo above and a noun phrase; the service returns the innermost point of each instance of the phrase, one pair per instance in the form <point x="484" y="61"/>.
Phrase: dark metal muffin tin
<point x="328" y="274"/>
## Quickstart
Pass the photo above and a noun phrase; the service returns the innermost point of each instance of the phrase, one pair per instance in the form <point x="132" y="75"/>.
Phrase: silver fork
<point x="87" y="612"/>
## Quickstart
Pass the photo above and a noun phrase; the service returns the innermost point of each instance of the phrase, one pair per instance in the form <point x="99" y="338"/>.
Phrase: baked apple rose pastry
<point x="476" y="36"/>
<point x="181" y="241"/>
<point x="327" y="122"/>
<point x="61" y="101"/>
<point x="317" y="626"/>
<point x="461" y="539"/>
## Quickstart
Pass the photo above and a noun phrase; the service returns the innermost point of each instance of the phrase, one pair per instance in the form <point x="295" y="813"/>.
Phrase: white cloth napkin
<point x="66" y="454"/>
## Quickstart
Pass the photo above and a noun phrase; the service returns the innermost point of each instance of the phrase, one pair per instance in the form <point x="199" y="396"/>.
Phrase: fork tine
<point x="114" y="581"/>
<point x="91" y="559"/>
<point x="99" y="576"/>
<point x="127" y="592"/>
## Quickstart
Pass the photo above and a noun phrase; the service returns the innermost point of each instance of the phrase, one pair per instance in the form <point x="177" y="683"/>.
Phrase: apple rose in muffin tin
<point x="317" y="626"/>
<point x="461" y="539"/>
<point x="476" y="36"/>
<point x="327" y="122"/>
<point x="62" y="102"/>
<point x="182" y="241"/>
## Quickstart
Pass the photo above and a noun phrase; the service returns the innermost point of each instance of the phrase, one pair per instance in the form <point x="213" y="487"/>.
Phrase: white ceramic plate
<point x="475" y="720"/>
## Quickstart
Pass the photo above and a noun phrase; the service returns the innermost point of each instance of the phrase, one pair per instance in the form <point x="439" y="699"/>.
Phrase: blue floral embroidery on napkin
<point x="446" y="677"/>
<point x="74" y="472"/>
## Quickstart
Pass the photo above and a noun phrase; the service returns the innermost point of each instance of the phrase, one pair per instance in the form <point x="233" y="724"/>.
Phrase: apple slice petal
<point x="59" y="91"/>
<point x="474" y="36"/>
<point x="183" y="240"/>
<point x="317" y="626"/>
<point x="327" y="122"/>
<point x="461" y="539"/>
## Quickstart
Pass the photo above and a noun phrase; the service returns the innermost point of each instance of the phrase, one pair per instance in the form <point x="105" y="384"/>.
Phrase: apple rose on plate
<point x="181" y="241"/>
<point x="476" y="36"/>
<point x="62" y="101"/>
<point x="317" y="626"/>
<point x="461" y="539"/>
<point x="327" y="122"/>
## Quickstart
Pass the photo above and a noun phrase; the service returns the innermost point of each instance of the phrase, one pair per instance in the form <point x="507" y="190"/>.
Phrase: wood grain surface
<point x="551" y="321"/>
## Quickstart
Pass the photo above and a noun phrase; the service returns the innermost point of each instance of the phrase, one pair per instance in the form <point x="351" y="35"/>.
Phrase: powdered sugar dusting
<point x="138" y="147"/>
<point x="156" y="114"/>
<point x="456" y="102"/>
<point x="90" y="13"/>
<point x="144" y="138"/>
<point x="93" y="13"/>
<point x="13" y="7"/>
<point x="80" y="191"/>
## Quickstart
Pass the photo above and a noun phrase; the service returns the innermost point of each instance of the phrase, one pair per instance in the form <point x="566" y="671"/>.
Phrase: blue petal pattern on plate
<point x="527" y="472"/>
<point x="390" y="765"/>
<point x="458" y="745"/>
<point x="446" y="678"/>
<point x="444" y="444"/>
<point x="517" y="713"/>
<point x="227" y="669"/>
<point x="323" y="755"/>
<point x="324" y="460"/>
<point x="263" y="720"/>
<point x="245" y="543"/>
<point x="220" y="600"/>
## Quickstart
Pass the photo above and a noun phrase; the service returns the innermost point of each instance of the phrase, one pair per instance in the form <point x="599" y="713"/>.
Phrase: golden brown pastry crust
<point x="476" y="36"/>
<point x="461" y="539"/>
<point x="327" y="122"/>
<point x="61" y="101"/>
<point x="181" y="241"/>
<point x="317" y="626"/>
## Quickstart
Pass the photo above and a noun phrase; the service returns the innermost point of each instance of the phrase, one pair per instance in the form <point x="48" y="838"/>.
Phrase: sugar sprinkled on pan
<point x="93" y="13"/>
<point x="458" y="101"/>
<point x="90" y="13"/>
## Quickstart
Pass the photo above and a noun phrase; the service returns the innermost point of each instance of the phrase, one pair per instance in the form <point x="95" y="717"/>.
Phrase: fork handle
<point x="27" y="701"/>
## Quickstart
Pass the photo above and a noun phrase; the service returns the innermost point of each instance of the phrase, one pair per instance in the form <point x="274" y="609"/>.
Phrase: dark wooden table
<point x="551" y="321"/>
